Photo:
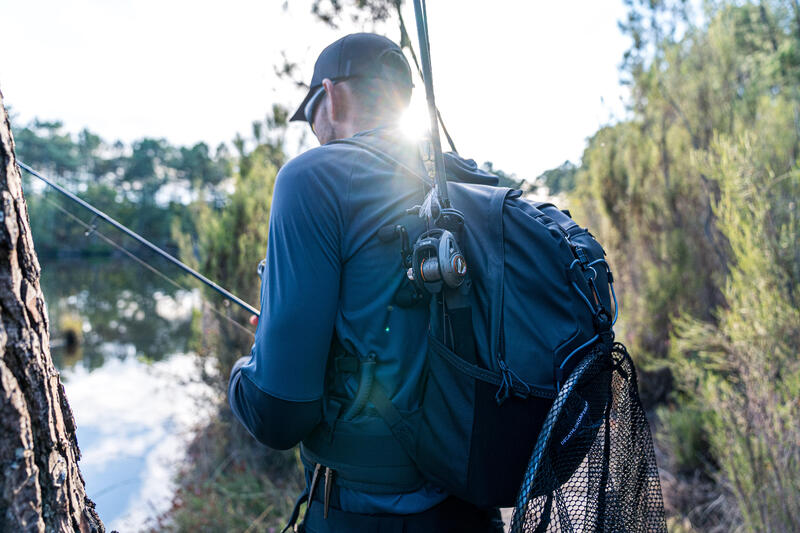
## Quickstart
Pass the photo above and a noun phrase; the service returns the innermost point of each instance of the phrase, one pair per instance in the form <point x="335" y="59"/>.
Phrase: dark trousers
<point x="450" y="516"/>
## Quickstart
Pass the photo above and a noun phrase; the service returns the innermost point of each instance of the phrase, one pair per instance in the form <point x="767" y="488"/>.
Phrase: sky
<point x="520" y="83"/>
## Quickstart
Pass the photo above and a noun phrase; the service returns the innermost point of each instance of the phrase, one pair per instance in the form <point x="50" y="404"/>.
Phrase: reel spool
<point x="437" y="261"/>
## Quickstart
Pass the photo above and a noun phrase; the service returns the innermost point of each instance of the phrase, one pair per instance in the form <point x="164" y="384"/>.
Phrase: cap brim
<point x="300" y="114"/>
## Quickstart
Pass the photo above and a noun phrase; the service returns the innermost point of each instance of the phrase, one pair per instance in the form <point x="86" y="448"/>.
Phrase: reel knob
<point x="437" y="260"/>
<point x="452" y="265"/>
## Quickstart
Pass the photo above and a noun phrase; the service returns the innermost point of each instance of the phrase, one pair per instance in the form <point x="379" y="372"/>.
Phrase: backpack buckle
<point x="602" y="320"/>
<point x="603" y="323"/>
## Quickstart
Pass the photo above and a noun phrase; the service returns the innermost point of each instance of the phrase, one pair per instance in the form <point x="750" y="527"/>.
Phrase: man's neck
<point x="351" y="128"/>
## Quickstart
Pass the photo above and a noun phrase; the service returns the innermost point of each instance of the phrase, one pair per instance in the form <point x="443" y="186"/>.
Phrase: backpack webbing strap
<point x="385" y="157"/>
<point x="290" y="525"/>
<point x="461" y="333"/>
<point x="394" y="419"/>
<point x="377" y="464"/>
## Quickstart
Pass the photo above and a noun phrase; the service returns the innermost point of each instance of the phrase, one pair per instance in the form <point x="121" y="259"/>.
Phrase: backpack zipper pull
<point x="505" y="386"/>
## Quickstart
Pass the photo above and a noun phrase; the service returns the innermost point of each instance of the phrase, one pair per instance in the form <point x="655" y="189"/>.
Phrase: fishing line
<point x="92" y="230"/>
<point x="99" y="214"/>
<point x="405" y="40"/>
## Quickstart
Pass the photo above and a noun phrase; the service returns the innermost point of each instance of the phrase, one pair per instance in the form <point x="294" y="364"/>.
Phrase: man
<point x="332" y="304"/>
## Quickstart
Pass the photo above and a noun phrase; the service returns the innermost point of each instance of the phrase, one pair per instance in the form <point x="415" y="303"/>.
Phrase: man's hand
<point x="253" y="320"/>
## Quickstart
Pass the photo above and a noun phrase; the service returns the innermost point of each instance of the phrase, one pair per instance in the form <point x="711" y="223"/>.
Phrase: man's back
<point x="328" y="270"/>
<point x="330" y="277"/>
<point x="336" y="319"/>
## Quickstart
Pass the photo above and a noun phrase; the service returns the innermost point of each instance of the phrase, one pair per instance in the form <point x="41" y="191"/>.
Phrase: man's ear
<point x="336" y="99"/>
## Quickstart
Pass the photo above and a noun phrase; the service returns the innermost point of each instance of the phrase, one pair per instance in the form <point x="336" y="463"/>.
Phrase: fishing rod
<point x="437" y="264"/>
<point x="405" y="40"/>
<point x="421" y="14"/>
<point x="183" y="266"/>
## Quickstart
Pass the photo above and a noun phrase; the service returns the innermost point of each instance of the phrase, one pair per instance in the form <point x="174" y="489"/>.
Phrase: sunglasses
<point x="312" y="104"/>
<point x="315" y="100"/>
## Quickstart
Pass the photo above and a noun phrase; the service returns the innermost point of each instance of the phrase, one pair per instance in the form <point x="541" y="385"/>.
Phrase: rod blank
<point x="186" y="268"/>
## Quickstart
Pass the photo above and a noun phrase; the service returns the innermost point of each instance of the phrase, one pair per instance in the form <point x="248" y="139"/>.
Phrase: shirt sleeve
<point x="276" y="423"/>
<point x="300" y="284"/>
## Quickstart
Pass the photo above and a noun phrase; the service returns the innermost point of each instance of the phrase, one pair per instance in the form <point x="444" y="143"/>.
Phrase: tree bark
<point x="41" y="488"/>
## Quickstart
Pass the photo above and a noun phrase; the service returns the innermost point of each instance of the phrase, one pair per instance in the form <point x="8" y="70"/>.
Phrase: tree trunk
<point x="41" y="488"/>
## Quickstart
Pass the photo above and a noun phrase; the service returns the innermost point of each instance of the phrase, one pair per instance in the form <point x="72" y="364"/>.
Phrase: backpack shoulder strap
<point x="381" y="154"/>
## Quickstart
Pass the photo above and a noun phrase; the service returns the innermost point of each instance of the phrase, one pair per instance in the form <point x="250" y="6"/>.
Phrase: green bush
<point x="743" y="368"/>
<point x="231" y="483"/>
<point x="684" y="433"/>
<point x="695" y="197"/>
<point x="226" y="243"/>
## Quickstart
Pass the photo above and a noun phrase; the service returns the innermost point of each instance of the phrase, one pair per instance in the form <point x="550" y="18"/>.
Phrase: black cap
<point x="364" y="55"/>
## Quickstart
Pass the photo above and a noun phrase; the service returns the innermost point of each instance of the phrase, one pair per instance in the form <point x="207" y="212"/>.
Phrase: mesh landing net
<point x="593" y="467"/>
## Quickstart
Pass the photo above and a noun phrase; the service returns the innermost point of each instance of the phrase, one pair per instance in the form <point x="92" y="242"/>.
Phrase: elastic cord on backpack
<point x="616" y="306"/>
<point x="576" y="350"/>
<point x="585" y="299"/>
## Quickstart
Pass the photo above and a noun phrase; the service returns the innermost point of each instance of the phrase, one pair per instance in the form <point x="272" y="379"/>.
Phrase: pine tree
<point x="41" y="488"/>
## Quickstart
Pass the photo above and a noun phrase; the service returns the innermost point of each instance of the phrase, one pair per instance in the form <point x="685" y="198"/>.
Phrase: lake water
<point x="132" y="382"/>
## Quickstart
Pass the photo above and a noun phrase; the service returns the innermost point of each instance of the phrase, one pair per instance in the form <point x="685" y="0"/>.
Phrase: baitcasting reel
<point x="436" y="260"/>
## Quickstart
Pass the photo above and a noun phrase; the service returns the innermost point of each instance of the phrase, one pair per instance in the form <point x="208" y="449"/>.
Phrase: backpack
<point x="538" y="300"/>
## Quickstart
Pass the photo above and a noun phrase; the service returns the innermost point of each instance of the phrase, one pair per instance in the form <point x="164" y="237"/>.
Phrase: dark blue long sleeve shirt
<point x="329" y="274"/>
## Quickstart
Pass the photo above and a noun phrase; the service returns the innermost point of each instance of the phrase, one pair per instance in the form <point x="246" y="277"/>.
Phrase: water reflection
<point x="133" y="421"/>
<point x="115" y="309"/>
<point x="120" y="336"/>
